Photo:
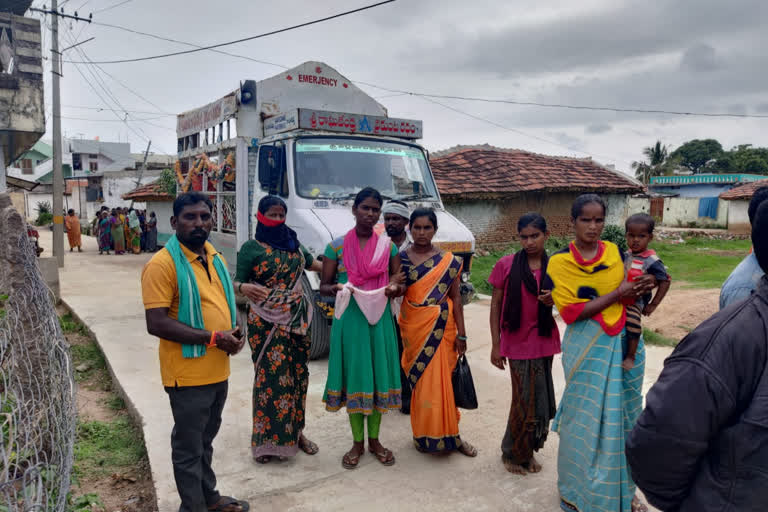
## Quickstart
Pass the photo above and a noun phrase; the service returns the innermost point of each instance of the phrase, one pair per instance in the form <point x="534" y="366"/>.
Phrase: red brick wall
<point x="494" y="222"/>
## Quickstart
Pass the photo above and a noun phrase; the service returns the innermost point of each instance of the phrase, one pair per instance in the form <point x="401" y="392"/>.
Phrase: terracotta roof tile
<point x="745" y="191"/>
<point x="148" y="191"/>
<point x="494" y="172"/>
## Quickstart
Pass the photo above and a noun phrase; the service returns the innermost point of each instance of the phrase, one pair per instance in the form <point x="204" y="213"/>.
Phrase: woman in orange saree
<point x="432" y="327"/>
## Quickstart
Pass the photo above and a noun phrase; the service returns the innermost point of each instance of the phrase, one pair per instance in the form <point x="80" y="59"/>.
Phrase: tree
<point x="743" y="159"/>
<point x="656" y="156"/>
<point x="695" y="154"/>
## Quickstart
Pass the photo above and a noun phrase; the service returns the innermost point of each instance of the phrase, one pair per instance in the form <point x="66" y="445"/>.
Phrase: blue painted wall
<point x="699" y="190"/>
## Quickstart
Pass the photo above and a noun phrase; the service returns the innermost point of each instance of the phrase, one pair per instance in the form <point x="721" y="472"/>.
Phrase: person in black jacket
<point x="701" y="444"/>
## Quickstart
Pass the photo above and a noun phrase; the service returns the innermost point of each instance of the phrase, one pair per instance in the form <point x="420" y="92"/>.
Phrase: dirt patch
<point x="111" y="489"/>
<point x="683" y="310"/>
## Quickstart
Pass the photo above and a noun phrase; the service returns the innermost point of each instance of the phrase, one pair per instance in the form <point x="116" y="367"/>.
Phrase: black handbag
<point x="463" y="385"/>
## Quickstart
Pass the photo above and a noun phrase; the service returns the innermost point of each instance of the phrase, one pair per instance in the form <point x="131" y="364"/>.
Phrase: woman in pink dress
<point x="525" y="336"/>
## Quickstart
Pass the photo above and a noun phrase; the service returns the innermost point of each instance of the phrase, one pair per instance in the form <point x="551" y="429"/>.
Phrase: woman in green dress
<point x="118" y="233"/>
<point x="362" y="269"/>
<point x="269" y="271"/>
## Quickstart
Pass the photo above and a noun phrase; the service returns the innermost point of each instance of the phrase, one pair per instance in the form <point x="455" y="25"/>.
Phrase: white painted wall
<point x="617" y="208"/>
<point x="637" y="205"/>
<point x="164" y="211"/>
<point x="110" y="156"/>
<point x="680" y="211"/>
<point x="738" y="216"/>
<point x="32" y="199"/>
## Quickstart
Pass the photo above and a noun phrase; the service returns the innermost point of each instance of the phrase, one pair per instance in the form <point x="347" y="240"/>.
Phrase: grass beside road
<point x="108" y="450"/>
<point x="698" y="262"/>
<point x="653" y="338"/>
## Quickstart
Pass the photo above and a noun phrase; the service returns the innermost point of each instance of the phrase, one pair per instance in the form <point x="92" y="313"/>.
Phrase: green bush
<point x="556" y="243"/>
<point x="167" y="182"/>
<point x="44" y="207"/>
<point x="44" y="213"/>
<point x="616" y="235"/>
<point x="44" y="219"/>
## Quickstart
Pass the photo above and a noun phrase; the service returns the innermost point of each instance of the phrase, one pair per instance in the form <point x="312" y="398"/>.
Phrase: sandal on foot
<point x="385" y="456"/>
<point x="350" y="460"/>
<point x="263" y="459"/>
<point x="230" y="504"/>
<point x="638" y="506"/>
<point x="467" y="449"/>
<point x="308" y="446"/>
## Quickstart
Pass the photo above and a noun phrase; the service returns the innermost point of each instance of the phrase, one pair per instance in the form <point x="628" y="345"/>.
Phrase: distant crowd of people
<point x="120" y="230"/>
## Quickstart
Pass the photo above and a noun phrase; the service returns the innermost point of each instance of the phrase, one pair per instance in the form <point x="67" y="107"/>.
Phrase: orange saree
<point x="428" y="331"/>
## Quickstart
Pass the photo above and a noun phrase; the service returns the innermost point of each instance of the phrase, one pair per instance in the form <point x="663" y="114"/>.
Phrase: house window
<point x="77" y="163"/>
<point x="94" y="166"/>
<point x="93" y="157"/>
<point x="7" y="59"/>
<point x="26" y="166"/>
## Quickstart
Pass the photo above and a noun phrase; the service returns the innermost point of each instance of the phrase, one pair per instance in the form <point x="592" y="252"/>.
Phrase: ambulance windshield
<point x="337" y="168"/>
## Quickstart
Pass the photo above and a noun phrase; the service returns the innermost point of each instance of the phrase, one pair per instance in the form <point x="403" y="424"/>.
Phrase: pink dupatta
<point x="368" y="275"/>
<point x="367" y="269"/>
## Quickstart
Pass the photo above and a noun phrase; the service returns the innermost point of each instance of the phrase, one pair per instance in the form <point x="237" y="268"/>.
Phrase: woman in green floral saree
<point x="269" y="271"/>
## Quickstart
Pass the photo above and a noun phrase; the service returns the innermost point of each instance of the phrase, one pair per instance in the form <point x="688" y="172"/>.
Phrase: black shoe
<point x="406" y="408"/>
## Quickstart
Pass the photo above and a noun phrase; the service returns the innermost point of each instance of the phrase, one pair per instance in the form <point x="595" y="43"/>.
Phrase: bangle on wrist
<point x="461" y="338"/>
<point x="240" y="288"/>
<point x="212" y="342"/>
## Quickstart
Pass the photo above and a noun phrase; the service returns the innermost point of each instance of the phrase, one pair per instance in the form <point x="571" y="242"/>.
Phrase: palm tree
<point x="656" y="156"/>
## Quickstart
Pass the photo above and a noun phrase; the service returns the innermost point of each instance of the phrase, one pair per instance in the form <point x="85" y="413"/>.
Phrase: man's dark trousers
<point x="197" y="417"/>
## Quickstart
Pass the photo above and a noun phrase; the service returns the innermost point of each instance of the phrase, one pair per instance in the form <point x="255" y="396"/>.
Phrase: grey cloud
<point x="593" y="38"/>
<point x="699" y="58"/>
<point x="737" y="109"/>
<point x="598" y="128"/>
<point x="739" y="82"/>
<point x="573" y="143"/>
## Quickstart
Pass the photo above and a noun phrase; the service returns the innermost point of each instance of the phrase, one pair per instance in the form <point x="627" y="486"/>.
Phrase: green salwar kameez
<point x="364" y="363"/>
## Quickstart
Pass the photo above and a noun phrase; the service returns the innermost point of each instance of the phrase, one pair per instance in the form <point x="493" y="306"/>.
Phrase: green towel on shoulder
<point x="190" y="310"/>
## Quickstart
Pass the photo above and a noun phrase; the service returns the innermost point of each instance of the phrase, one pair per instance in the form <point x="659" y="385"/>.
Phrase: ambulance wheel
<point x="320" y="328"/>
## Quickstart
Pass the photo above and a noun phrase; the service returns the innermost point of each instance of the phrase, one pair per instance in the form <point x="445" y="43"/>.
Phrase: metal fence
<point x="37" y="390"/>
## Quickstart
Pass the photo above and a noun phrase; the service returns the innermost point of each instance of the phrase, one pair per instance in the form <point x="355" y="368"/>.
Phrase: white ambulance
<point x="314" y="138"/>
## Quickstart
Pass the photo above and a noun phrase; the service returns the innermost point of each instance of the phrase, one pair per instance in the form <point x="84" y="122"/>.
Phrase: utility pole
<point x="58" y="175"/>
<point x="143" y="166"/>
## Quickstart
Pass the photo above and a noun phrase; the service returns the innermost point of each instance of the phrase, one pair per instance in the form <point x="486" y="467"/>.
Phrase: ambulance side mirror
<point x="272" y="170"/>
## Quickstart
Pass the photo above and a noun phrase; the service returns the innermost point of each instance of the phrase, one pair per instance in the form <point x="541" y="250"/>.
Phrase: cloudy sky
<point x="681" y="55"/>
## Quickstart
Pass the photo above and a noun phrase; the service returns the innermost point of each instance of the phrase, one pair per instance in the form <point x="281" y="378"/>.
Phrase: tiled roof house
<point x="149" y="192"/>
<point x="489" y="188"/>
<point x="158" y="201"/>
<point x="738" y="199"/>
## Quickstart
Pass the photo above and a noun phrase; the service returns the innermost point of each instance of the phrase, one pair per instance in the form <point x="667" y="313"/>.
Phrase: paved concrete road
<point x="104" y="291"/>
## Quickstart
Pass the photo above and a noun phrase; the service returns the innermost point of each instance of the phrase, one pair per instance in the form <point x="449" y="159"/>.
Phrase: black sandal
<point x="308" y="446"/>
<point x="230" y="504"/>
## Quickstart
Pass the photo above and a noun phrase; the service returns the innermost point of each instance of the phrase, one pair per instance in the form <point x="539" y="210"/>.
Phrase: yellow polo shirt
<point x="159" y="289"/>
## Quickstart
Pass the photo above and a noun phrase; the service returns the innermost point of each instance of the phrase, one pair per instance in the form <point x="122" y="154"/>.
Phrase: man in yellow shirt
<point x="189" y="302"/>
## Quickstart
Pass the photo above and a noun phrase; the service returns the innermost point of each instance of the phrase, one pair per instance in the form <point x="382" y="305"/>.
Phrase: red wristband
<point x="212" y="343"/>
